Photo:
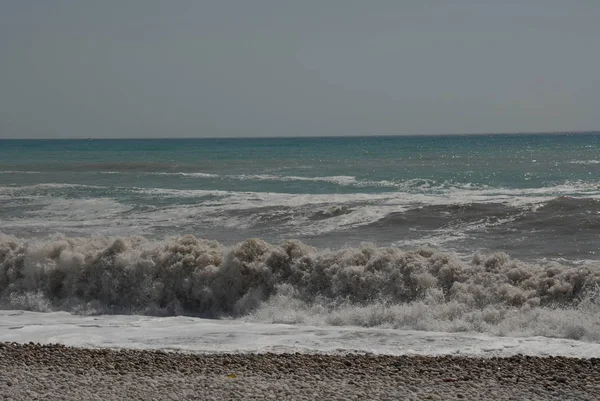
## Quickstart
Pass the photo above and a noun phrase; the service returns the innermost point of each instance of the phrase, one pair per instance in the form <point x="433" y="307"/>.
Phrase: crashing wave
<point x="295" y="283"/>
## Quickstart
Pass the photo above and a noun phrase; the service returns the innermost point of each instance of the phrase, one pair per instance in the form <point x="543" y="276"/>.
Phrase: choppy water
<point x="96" y="226"/>
<point x="534" y="196"/>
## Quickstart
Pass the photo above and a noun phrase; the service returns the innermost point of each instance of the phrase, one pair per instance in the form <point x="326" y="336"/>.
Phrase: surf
<point x="292" y="282"/>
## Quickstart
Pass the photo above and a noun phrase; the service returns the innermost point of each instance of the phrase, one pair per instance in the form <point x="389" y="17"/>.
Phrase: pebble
<point x="56" y="372"/>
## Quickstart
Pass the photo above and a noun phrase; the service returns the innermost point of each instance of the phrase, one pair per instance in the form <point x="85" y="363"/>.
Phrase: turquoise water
<point x="495" y="234"/>
<point x="441" y="191"/>
<point x="511" y="161"/>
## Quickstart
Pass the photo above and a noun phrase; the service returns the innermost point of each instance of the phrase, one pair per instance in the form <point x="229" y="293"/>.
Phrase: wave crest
<point x="293" y="282"/>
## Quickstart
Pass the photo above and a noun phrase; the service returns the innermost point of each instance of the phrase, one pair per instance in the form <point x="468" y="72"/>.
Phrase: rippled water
<point x="533" y="196"/>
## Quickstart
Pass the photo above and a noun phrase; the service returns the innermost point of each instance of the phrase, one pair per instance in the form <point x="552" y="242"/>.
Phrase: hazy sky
<point x="149" y="68"/>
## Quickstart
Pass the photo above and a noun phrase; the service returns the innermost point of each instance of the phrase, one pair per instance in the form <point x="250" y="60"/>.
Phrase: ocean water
<point x="533" y="196"/>
<point x="493" y="234"/>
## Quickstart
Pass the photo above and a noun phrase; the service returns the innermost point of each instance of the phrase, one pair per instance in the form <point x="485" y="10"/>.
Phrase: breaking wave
<point x="585" y="162"/>
<point x="295" y="283"/>
<point x="19" y="172"/>
<point x="341" y="180"/>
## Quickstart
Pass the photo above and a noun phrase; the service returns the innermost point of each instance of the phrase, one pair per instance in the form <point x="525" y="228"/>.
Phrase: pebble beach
<point x="56" y="372"/>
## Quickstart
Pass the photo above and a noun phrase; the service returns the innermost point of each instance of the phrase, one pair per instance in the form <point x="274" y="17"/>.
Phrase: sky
<point x="238" y="68"/>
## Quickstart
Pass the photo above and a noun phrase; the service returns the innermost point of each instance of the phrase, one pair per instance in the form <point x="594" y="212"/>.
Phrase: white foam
<point x="50" y="185"/>
<point x="204" y="335"/>
<point x="586" y="162"/>
<point x="182" y="174"/>
<point x="84" y="216"/>
<point x="294" y="283"/>
<point x="19" y="172"/>
<point x="228" y="209"/>
<point x="340" y="180"/>
<point x="416" y="184"/>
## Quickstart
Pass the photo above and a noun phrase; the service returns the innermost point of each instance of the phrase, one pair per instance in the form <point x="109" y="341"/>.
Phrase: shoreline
<point x="48" y="372"/>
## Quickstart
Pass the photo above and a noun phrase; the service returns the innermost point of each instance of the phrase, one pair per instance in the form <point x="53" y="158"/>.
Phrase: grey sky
<point x="149" y="68"/>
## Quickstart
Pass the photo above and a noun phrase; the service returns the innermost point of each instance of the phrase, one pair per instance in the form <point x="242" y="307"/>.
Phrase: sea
<point x="388" y="244"/>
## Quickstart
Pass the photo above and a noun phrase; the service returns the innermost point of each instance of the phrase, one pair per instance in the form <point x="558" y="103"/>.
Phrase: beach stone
<point x="58" y="372"/>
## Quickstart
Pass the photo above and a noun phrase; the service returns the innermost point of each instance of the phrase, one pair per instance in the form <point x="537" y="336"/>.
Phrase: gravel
<point x="55" y="372"/>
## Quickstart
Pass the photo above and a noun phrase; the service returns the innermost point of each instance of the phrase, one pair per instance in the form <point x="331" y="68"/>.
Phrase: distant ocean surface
<point x="533" y="196"/>
<point x="457" y="233"/>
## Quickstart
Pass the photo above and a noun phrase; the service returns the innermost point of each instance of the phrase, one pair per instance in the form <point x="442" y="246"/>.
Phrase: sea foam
<point x="292" y="282"/>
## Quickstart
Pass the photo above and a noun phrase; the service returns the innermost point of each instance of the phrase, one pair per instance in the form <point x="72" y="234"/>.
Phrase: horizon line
<point x="305" y="136"/>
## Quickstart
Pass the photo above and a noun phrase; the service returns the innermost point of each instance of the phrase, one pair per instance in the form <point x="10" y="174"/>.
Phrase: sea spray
<point x="295" y="283"/>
